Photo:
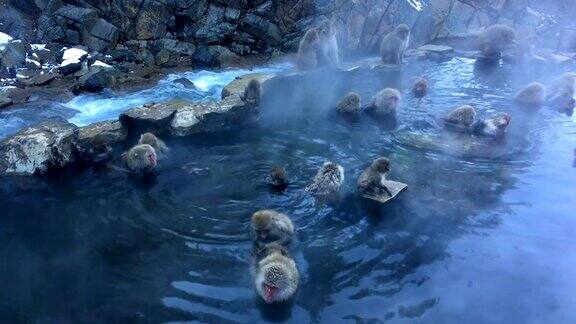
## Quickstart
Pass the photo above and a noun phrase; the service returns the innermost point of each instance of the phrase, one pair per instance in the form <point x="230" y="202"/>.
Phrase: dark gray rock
<point x="95" y="80"/>
<point x="14" y="53"/>
<point x="259" y="27"/>
<point x="37" y="79"/>
<point x="111" y="131"/>
<point x="4" y="100"/>
<point x="70" y="67"/>
<point x="185" y="83"/>
<point x="37" y="149"/>
<point x="153" y="118"/>
<point x="77" y="16"/>
<point x="152" y="21"/>
<point x="100" y="35"/>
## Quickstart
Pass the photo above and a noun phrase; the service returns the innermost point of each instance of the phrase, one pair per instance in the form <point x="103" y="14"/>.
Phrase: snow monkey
<point x="158" y="145"/>
<point x="307" y="58"/>
<point x="495" y="39"/>
<point x="395" y="44"/>
<point x="269" y="226"/>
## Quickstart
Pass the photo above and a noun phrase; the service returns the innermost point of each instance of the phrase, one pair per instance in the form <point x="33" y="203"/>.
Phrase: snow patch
<point x="74" y="54"/>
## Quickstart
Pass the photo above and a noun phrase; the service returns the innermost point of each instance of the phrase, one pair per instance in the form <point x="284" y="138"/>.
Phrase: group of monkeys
<point x="276" y="275"/>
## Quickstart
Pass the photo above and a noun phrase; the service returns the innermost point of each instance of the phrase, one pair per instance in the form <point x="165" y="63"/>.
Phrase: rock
<point x="210" y="56"/>
<point x="101" y="65"/>
<point x="39" y="79"/>
<point x="94" y="81"/>
<point x="37" y="149"/>
<point x="33" y="65"/>
<point x="75" y="54"/>
<point x="259" y="27"/>
<point x="435" y="52"/>
<point x="13" y="53"/>
<point x="111" y="130"/>
<point x="187" y="84"/>
<point x="153" y="118"/>
<point x="236" y="87"/>
<point x="212" y="116"/>
<point x="152" y="21"/>
<point x="559" y="59"/>
<point x="171" y="52"/>
<point x="76" y="16"/>
<point x="70" y="66"/>
<point x="4" y="40"/>
<point x="4" y="100"/>
<point x="441" y="49"/>
<point x="100" y="35"/>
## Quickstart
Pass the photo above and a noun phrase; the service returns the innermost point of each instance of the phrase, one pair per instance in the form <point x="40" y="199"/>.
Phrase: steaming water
<point x="484" y="234"/>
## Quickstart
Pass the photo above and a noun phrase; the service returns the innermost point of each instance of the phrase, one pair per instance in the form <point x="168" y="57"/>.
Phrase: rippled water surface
<point x="485" y="232"/>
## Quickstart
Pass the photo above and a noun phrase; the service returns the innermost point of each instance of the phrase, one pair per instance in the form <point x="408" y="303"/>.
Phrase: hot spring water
<point x="484" y="233"/>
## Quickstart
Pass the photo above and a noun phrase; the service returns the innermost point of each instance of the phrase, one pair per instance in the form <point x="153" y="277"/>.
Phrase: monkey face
<point x="392" y="102"/>
<point x="403" y="31"/>
<point x="382" y="165"/>
<point x="502" y="121"/>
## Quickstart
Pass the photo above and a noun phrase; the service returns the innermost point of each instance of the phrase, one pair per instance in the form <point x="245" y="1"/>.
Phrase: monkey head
<point x="381" y="165"/>
<point x="100" y="149"/>
<point x="278" y="176"/>
<point x="143" y="156"/>
<point x="392" y="99"/>
<point x="261" y="224"/>
<point x="333" y="168"/>
<point x="501" y="121"/>
<point x="402" y="31"/>
<point x="312" y="36"/>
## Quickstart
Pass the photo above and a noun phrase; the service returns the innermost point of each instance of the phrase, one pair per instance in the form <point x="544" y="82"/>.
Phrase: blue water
<point x="485" y="232"/>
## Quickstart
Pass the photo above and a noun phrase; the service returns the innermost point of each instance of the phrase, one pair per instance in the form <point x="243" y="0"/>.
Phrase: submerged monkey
<point x="420" y="88"/>
<point x="158" y="145"/>
<point x="252" y="92"/>
<point x="371" y="180"/>
<point x="277" y="277"/>
<point x="328" y="180"/>
<point x="306" y="58"/>
<point x="494" y="126"/>
<point x="99" y="149"/>
<point x="561" y="94"/>
<point x="350" y="104"/>
<point x="495" y="39"/>
<point x="533" y="95"/>
<point x="394" y="44"/>
<point x="461" y="118"/>
<point x="141" y="159"/>
<point x="385" y="102"/>
<point x="269" y="226"/>
<point x="277" y="178"/>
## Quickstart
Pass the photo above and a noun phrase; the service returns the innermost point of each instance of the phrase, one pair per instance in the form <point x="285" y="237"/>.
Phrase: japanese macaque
<point x="277" y="277"/>
<point x="328" y="45"/>
<point x="461" y="118"/>
<point x="494" y="126"/>
<point x="307" y="59"/>
<point x="420" y="88"/>
<point x="328" y="180"/>
<point x="252" y="92"/>
<point x="350" y="104"/>
<point x="158" y="145"/>
<point x="370" y="181"/>
<point x="99" y="149"/>
<point x="277" y="178"/>
<point x="561" y="93"/>
<point x="385" y="102"/>
<point x="141" y="159"/>
<point x="495" y="39"/>
<point x="269" y="226"/>
<point x="533" y="95"/>
<point x="395" y="44"/>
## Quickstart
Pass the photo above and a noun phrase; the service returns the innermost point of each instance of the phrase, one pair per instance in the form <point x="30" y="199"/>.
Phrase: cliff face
<point x="209" y="32"/>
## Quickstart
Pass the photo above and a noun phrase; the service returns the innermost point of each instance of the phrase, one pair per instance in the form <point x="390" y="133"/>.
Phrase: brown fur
<point x="394" y="44"/>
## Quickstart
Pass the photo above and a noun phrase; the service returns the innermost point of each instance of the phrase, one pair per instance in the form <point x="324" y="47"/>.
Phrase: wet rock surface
<point x="237" y="86"/>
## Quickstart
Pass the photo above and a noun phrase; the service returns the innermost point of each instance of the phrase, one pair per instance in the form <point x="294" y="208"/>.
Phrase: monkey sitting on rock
<point x="306" y="58"/>
<point x="141" y="159"/>
<point x="561" y="94"/>
<point x="394" y="44"/>
<point x="327" y="45"/>
<point x="269" y="226"/>
<point x="158" y="145"/>
<point x="253" y="92"/>
<point x="277" y="277"/>
<point x="373" y="184"/>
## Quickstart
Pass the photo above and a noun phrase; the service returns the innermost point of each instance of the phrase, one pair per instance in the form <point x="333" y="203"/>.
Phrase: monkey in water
<point x="277" y="178"/>
<point x="307" y="58"/>
<point x="277" y="277"/>
<point x="252" y="92"/>
<point x="328" y="45"/>
<point x="328" y="180"/>
<point x="394" y="45"/>
<point x="495" y="39"/>
<point x="371" y="180"/>
<point x="99" y="149"/>
<point x="561" y="94"/>
<point x="494" y="126"/>
<point x="350" y="104"/>
<point x="141" y="159"/>
<point x="269" y="226"/>
<point x="385" y="102"/>
<point x="461" y="119"/>
<point x="420" y="88"/>
<point x="533" y="95"/>
<point x="158" y="145"/>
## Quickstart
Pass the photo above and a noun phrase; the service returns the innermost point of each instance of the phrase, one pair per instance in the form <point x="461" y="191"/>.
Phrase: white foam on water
<point x="107" y="106"/>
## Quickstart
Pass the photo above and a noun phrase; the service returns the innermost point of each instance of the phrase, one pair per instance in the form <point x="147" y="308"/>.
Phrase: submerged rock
<point x="212" y="116"/>
<point x="36" y="149"/>
<point x="237" y="86"/>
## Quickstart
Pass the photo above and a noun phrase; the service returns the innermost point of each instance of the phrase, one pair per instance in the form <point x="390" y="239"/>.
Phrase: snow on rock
<point x="4" y="39"/>
<point x="74" y="54"/>
<point x="102" y="65"/>
<point x="39" y="47"/>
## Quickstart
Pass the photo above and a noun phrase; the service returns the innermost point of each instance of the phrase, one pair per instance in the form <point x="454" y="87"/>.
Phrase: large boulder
<point x="212" y="116"/>
<point x="13" y="53"/>
<point x="112" y="131"/>
<point x="154" y="118"/>
<point x="37" y="149"/>
<point x="100" y="35"/>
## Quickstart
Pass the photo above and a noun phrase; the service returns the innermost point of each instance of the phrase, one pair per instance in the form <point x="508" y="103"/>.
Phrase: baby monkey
<point x="158" y="145"/>
<point x="277" y="178"/>
<point x="269" y="226"/>
<point x="420" y="88"/>
<point x="99" y="149"/>
<point x="350" y="104"/>
<point x="252" y="92"/>
<point x="141" y="159"/>
<point x="371" y="180"/>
